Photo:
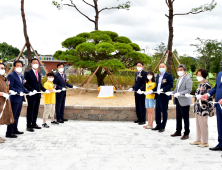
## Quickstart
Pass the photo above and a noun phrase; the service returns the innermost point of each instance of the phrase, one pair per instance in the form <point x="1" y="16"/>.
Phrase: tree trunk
<point x="26" y="36"/>
<point x="101" y="76"/>
<point x="97" y="15"/>
<point x="170" y="40"/>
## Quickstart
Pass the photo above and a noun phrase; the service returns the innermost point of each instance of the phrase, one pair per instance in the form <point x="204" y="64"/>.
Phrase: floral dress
<point x="207" y="108"/>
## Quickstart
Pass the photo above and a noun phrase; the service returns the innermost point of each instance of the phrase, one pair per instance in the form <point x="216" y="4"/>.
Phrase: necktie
<point x="36" y="73"/>
<point x="63" y="77"/>
<point x="137" y="74"/>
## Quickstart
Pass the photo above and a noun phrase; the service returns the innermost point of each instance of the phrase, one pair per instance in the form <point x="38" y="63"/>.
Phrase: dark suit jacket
<point x="140" y="83"/>
<point x="32" y="83"/>
<point x="218" y="88"/>
<point x="166" y="86"/>
<point x="17" y="86"/>
<point x="60" y="83"/>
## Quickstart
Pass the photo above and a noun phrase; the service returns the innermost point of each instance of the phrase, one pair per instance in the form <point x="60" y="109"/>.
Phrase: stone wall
<point x="98" y="113"/>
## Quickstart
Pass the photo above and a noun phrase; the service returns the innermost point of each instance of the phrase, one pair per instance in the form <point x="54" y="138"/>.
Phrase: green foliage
<point x="123" y="39"/>
<point x="123" y="48"/>
<point x="206" y="7"/>
<point x="86" y="48"/>
<point x="125" y="5"/>
<point x="135" y="46"/>
<point x="84" y="35"/>
<point x="8" y="51"/>
<point x="111" y="34"/>
<point x="105" y="48"/>
<point x="72" y="42"/>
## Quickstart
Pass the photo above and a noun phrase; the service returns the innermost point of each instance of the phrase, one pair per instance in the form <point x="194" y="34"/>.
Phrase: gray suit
<point x="183" y="104"/>
<point x="185" y="88"/>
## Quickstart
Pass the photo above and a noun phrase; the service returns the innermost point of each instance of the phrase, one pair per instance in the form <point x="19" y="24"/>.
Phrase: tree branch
<point x="109" y="8"/>
<point x="73" y="5"/>
<point x="190" y="13"/>
<point x="88" y="4"/>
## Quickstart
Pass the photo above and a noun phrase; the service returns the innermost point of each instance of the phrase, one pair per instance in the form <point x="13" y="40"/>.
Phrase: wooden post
<point x="115" y="80"/>
<point x="39" y="60"/>
<point x="176" y="59"/>
<point x="89" y="79"/>
<point x="85" y="80"/>
<point x="17" y="58"/>
<point x="112" y="81"/>
<point x="160" y="61"/>
<point x="166" y="58"/>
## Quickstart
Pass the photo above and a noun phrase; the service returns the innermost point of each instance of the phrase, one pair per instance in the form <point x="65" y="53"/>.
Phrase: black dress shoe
<point x="141" y="123"/>
<point x="217" y="148"/>
<point x="161" y="130"/>
<point x="18" y="133"/>
<point x="30" y="129"/>
<point x="64" y="120"/>
<point x="60" y="121"/>
<point x="137" y="121"/>
<point x="36" y="127"/>
<point x="10" y="135"/>
<point x="156" y="128"/>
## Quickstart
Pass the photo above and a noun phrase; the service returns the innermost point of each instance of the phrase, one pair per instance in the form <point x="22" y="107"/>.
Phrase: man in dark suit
<point x="164" y="83"/>
<point x="60" y="80"/>
<point x="33" y="83"/>
<point x="140" y="85"/>
<point x="217" y="91"/>
<point x="17" y="90"/>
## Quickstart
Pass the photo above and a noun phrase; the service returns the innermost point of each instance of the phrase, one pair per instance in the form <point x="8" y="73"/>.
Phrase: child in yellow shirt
<point x="49" y="100"/>
<point x="150" y="99"/>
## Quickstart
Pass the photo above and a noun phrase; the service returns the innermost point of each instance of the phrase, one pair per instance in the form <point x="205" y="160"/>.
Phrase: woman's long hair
<point x="151" y="73"/>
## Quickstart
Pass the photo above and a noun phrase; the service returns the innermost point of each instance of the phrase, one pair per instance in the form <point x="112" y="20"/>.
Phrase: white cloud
<point x="145" y="23"/>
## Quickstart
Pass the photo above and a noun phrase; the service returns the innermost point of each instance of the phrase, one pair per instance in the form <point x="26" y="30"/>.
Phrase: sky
<point x="145" y="23"/>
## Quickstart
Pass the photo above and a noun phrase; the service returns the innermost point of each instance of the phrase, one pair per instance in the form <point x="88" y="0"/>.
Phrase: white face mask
<point x="139" y="68"/>
<point x="35" y="66"/>
<point x="149" y="77"/>
<point x="200" y="78"/>
<point x="51" y="79"/>
<point x="180" y="73"/>
<point x="2" y="72"/>
<point x="61" y="70"/>
<point x="18" y="69"/>
<point x="162" y="70"/>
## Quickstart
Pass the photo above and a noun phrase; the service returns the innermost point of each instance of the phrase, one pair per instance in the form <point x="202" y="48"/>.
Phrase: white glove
<point x="21" y="94"/>
<point x="63" y="89"/>
<point x="31" y="93"/>
<point x="188" y="95"/>
<point x="54" y="90"/>
<point x="47" y="91"/>
<point x="169" y="93"/>
<point x="34" y="92"/>
<point x="12" y="92"/>
<point x="58" y="91"/>
<point x="130" y="90"/>
<point x="6" y="96"/>
<point x="177" y="95"/>
<point x="198" y="96"/>
<point x="139" y="92"/>
<point x="149" y="92"/>
<point x="74" y="87"/>
<point x="159" y="91"/>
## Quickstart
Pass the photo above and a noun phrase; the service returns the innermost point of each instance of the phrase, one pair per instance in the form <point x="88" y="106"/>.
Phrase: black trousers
<point x="16" y="109"/>
<point x="140" y="107"/>
<point x="161" y="107"/>
<point x="182" y="112"/>
<point x="60" y="107"/>
<point x="32" y="111"/>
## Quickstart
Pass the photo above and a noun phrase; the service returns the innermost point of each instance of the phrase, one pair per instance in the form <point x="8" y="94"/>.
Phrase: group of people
<point x="13" y="88"/>
<point x="153" y="93"/>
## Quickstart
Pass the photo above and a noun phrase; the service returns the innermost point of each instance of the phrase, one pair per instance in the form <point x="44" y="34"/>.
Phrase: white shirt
<point x="180" y="80"/>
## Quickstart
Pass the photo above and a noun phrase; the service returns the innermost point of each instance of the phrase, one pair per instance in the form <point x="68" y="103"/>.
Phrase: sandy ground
<point x="89" y="98"/>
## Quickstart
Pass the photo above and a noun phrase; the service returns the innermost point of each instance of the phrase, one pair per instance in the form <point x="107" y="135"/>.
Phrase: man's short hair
<point x="34" y="59"/>
<point x="162" y="63"/>
<point x="18" y="61"/>
<point x="60" y="64"/>
<point x="183" y="66"/>
<point x="2" y="64"/>
<point x="140" y="62"/>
